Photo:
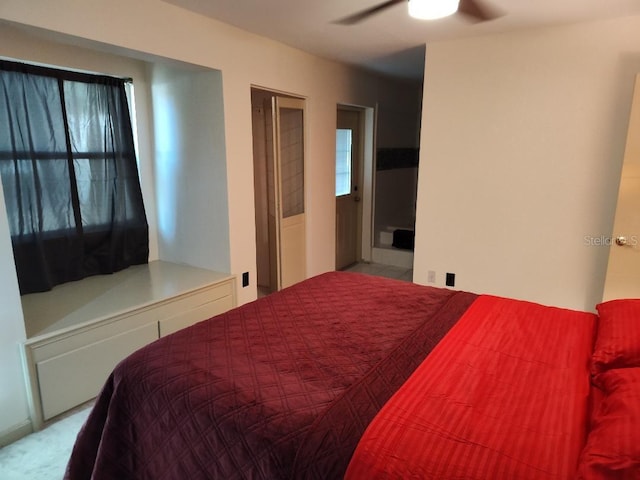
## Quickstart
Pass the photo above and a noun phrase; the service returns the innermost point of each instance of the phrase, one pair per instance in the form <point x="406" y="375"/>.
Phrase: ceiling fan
<point x="475" y="10"/>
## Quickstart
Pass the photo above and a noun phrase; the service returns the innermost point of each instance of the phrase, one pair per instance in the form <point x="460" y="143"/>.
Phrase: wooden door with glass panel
<point x="285" y="169"/>
<point x="348" y="153"/>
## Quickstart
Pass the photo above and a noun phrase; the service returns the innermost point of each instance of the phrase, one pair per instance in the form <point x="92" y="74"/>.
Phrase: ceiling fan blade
<point x="477" y="11"/>
<point x="358" y="17"/>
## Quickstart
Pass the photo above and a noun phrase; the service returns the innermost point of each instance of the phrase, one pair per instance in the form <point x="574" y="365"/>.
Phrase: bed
<point x="419" y="382"/>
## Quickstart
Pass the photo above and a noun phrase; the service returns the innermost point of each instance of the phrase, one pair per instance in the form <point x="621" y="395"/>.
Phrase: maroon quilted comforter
<point x="279" y="388"/>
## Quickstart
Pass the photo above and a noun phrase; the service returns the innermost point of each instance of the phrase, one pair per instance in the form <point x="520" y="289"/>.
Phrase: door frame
<point x="258" y="95"/>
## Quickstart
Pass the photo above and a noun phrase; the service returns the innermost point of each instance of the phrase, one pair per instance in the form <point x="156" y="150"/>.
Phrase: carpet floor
<point x="43" y="455"/>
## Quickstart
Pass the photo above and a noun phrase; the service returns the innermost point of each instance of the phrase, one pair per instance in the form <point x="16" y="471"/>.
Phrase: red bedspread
<point x="503" y="396"/>
<point x="278" y="388"/>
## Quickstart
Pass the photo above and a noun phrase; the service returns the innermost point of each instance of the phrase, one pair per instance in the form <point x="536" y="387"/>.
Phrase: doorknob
<point x="621" y="241"/>
<point x="356" y="198"/>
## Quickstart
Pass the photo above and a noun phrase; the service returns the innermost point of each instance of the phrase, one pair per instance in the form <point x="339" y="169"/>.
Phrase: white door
<point x="285" y="166"/>
<point x="623" y="270"/>
<point x="348" y="189"/>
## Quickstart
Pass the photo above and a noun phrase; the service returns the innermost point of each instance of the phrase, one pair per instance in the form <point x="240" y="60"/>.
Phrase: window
<point x="343" y="161"/>
<point x="69" y="175"/>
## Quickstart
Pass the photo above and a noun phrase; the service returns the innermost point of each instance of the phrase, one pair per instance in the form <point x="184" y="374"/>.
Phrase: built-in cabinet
<point x="78" y="332"/>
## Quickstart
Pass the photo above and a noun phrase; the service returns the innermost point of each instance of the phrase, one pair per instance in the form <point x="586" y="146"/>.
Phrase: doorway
<point x="279" y="184"/>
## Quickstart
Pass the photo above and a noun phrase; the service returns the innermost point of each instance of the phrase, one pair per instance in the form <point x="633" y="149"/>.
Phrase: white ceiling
<point x="390" y="42"/>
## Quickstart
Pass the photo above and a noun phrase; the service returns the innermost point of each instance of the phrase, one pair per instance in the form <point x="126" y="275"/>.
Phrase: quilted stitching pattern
<point x="236" y="396"/>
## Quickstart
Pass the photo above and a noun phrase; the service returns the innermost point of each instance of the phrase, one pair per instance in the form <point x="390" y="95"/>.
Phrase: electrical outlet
<point x="245" y="279"/>
<point x="451" y="280"/>
<point x="431" y="276"/>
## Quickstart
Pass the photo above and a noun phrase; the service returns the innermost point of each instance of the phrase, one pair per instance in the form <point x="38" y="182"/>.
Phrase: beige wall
<point x="13" y="399"/>
<point x="154" y="31"/>
<point x="190" y="167"/>
<point x="522" y="143"/>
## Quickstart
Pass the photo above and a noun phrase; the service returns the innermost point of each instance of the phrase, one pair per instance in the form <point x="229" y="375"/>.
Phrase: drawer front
<point x="194" y="300"/>
<point x="74" y="377"/>
<point x="71" y="341"/>
<point x="123" y="323"/>
<point x="195" y="315"/>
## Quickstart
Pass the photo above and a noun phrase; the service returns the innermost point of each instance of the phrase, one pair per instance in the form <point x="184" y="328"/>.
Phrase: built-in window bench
<point x="79" y="331"/>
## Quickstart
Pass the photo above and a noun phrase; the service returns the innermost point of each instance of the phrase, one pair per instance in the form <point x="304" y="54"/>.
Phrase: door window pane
<point x="343" y="162"/>
<point x="292" y="161"/>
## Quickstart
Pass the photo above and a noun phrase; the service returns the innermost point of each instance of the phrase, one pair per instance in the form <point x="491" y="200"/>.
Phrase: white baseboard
<point x="15" y="433"/>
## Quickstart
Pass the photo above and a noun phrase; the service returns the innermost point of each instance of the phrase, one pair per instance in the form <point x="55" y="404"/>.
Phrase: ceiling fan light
<point x="432" y="9"/>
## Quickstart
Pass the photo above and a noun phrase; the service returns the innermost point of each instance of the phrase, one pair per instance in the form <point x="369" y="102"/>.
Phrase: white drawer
<point x="195" y="299"/>
<point x="195" y="315"/>
<point x="166" y="309"/>
<point x="52" y="347"/>
<point x="74" y="377"/>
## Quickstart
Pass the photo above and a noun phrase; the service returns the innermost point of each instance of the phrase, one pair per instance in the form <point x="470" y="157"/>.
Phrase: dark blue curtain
<point x="69" y="174"/>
